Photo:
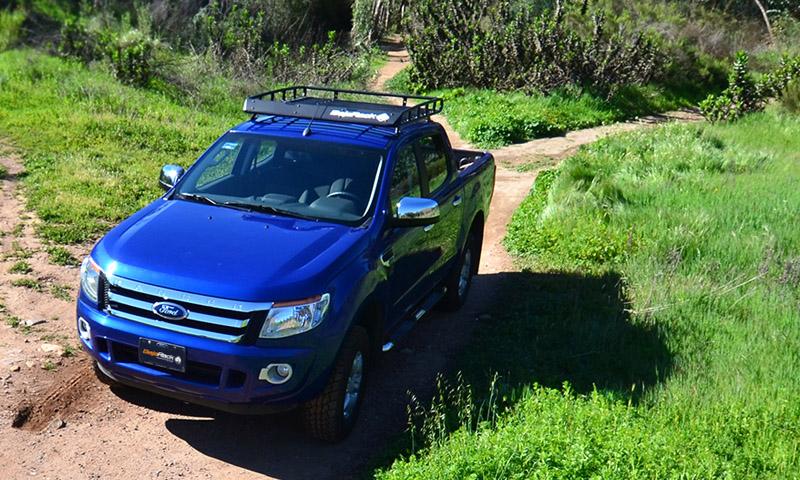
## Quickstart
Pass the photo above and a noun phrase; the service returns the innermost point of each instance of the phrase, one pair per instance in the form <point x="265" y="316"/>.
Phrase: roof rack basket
<point x="322" y="103"/>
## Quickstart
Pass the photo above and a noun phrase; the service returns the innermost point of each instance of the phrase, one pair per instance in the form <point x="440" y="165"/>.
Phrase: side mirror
<point x="416" y="212"/>
<point x="170" y="174"/>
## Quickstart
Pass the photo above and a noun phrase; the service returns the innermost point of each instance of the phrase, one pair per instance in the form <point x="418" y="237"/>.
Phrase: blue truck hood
<point x="227" y="253"/>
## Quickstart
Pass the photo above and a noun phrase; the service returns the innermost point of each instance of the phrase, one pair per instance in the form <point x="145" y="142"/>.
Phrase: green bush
<point x="132" y="59"/>
<point x="10" y="23"/>
<point x="791" y="97"/>
<point x="746" y="95"/>
<point x="131" y="54"/>
<point x="512" y="45"/>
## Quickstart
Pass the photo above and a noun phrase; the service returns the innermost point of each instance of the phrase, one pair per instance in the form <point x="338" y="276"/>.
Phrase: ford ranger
<point x="300" y="245"/>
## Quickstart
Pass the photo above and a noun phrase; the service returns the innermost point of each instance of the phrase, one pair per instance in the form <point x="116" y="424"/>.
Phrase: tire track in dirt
<point x="122" y="433"/>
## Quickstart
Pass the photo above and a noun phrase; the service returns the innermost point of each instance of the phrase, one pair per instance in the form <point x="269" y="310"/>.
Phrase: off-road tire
<point x="453" y="299"/>
<point x="323" y="417"/>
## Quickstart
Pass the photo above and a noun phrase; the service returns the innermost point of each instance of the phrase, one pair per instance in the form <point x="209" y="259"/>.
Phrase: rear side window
<point x="405" y="178"/>
<point x="434" y="159"/>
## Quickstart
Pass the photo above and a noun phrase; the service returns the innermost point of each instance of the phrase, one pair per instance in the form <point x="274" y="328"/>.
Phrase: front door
<point x="405" y="257"/>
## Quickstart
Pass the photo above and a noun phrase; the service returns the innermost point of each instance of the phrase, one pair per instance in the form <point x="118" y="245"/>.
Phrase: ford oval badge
<point x="170" y="311"/>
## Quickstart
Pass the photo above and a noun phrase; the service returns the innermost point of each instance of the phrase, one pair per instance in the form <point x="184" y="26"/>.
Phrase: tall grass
<point x="707" y="261"/>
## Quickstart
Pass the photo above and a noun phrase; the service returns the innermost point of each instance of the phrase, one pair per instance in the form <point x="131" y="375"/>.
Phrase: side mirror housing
<point x="170" y="174"/>
<point x="416" y="212"/>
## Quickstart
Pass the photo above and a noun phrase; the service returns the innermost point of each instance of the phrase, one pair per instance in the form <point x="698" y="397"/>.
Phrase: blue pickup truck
<point x="299" y="246"/>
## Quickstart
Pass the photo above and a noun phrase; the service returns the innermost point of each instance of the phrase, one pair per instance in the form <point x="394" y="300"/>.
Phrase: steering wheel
<point x="346" y="195"/>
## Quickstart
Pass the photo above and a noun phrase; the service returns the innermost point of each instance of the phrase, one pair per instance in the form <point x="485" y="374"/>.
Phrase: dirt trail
<point x="79" y="428"/>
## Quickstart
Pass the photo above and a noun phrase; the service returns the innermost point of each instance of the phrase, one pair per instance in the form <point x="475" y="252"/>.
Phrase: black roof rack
<point x="300" y="102"/>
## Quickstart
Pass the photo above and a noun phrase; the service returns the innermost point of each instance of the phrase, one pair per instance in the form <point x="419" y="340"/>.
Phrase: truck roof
<point x="353" y="116"/>
<point x="350" y="133"/>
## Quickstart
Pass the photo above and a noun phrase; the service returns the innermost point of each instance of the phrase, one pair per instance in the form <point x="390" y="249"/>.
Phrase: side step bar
<point x="407" y="325"/>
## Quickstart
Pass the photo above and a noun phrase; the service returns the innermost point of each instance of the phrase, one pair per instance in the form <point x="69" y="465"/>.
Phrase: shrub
<point x="511" y="45"/>
<point x="131" y="55"/>
<point x="78" y="42"/>
<point x="132" y="59"/>
<point x="321" y="63"/>
<point x="791" y="97"/>
<point x="746" y="95"/>
<point x="10" y="23"/>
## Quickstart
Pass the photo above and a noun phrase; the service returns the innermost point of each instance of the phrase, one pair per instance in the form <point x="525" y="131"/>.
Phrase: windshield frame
<point x="176" y="192"/>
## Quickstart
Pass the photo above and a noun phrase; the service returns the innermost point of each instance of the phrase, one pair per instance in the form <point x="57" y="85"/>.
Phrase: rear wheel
<point x="331" y="416"/>
<point x="460" y="279"/>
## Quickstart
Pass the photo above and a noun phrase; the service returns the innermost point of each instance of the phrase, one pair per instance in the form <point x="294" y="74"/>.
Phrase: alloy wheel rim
<point x="465" y="274"/>
<point x="353" y="389"/>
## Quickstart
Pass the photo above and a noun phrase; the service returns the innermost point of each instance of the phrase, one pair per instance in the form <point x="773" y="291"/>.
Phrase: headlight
<point x="290" y="318"/>
<point x="90" y="278"/>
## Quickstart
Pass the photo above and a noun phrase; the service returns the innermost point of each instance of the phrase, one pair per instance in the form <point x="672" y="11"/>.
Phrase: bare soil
<point x="72" y="426"/>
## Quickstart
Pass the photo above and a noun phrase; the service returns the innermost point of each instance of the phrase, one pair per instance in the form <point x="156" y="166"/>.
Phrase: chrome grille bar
<point x="198" y="317"/>
<point x="176" y="328"/>
<point x="179" y="296"/>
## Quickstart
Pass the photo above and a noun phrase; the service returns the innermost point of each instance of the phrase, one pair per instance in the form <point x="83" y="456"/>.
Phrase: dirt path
<point x="79" y="428"/>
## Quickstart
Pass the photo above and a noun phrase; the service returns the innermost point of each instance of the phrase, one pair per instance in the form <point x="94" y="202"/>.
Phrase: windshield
<point x="286" y="176"/>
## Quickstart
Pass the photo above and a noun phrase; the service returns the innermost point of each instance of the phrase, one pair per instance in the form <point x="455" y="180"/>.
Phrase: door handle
<point x="386" y="257"/>
<point x="457" y="200"/>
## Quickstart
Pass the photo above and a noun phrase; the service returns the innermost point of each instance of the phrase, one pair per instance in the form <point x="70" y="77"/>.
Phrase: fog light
<point x="276" y="373"/>
<point x="84" y="330"/>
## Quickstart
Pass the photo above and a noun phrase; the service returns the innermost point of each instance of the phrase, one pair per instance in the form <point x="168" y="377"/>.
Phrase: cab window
<point x="220" y="162"/>
<point x="434" y="160"/>
<point x="405" y="177"/>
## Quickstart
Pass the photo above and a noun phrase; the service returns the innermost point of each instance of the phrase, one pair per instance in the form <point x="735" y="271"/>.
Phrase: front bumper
<point x="220" y="375"/>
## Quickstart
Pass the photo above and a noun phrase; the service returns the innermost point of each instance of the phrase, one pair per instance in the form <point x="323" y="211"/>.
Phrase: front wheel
<point x="331" y="416"/>
<point x="460" y="280"/>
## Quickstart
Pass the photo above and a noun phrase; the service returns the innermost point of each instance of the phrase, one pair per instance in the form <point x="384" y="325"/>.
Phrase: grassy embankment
<point x="92" y="148"/>
<point x="670" y="302"/>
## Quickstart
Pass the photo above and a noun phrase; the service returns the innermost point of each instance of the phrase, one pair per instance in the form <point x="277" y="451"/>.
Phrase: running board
<point x="407" y="325"/>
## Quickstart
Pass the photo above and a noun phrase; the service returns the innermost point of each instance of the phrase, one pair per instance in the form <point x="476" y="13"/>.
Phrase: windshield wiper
<point x="203" y="199"/>
<point x="267" y="209"/>
<point x="197" y="198"/>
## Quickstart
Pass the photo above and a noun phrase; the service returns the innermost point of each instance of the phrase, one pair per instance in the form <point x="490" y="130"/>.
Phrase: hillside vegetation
<point x="93" y="147"/>
<point x="671" y="310"/>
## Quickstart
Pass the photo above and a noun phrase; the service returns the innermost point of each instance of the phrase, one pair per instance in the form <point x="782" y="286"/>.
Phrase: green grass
<point x="30" y="283"/>
<point x="13" y="321"/>
<point x="20" y="266"/>
<point x="61" y="292"/>
<point x="93" y="148"/>
<point x="662" y="282"/>
<point x="491" y="119"/>
<point x="61" y="256"/>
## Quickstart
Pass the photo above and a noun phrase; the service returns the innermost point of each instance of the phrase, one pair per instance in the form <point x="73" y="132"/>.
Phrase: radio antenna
<point x="307" y="130"/>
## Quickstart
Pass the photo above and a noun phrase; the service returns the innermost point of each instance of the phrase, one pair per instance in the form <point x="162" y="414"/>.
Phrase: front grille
<point x="210" y="317"/>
